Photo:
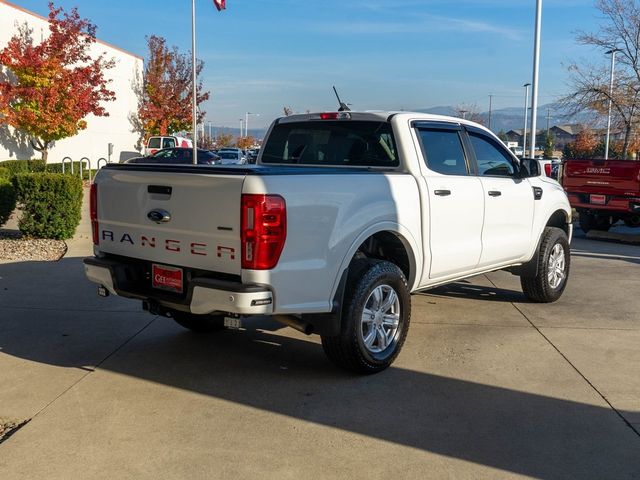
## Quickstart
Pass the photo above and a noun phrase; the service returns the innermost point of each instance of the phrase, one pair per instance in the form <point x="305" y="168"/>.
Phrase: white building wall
<point x="93" y="141"/>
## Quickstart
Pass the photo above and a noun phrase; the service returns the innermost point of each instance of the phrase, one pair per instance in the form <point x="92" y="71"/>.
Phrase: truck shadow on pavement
<point x="470" y="291"/>
<point x="520" y="432"/>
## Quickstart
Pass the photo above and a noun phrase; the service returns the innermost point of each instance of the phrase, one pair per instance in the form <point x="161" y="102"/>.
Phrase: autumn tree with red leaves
<point x="166" y="95"/>
<point x="47" y="90"/>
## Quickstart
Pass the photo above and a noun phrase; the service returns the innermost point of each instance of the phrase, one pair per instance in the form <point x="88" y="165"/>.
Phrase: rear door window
<point x="332" y="143"/>
<point x="168" y="142"/>
<point x="443" y="151"/>
<point x="154" y="142"/>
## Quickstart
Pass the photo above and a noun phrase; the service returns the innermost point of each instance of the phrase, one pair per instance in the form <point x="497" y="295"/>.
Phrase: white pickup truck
<point x="344" y="215"/>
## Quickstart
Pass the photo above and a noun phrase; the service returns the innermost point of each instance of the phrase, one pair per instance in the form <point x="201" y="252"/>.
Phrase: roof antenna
<point x="343" y="106"/>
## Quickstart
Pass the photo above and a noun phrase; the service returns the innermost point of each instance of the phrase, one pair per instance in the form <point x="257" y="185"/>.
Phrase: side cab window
<point x="492" y="160"/>
<point x="442" y="148"/>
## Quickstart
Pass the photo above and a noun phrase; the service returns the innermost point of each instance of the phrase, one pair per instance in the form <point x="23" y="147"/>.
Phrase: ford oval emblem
<point x="159" y="216"/>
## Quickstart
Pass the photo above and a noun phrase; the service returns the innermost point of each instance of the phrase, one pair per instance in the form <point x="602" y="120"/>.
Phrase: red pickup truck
<point x="603" y="192"/>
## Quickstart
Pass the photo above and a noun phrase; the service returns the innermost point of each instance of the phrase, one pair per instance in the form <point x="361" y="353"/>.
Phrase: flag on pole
<point x="220" y="4"/>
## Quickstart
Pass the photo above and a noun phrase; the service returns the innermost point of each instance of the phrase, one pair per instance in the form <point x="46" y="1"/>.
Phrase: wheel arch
<point x="386" y="241"/>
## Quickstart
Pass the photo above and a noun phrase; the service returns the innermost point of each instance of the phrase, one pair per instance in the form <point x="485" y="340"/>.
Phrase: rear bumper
<point x="203" y="295"/>
<point x="612" y="204"/>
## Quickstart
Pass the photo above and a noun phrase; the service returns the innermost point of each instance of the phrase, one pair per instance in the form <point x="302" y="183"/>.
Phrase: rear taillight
<point x="264" y="230"/>
<point x="547" y="169"/>
<point x="93" y="211"/>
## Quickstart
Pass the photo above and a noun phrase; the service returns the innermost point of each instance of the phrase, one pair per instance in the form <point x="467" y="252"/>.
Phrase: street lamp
<point x="464" y="113"/>
<point x="536" y="67"/>
<point x="193" y="86"/>
<point x="246" y="122"/>
<point x="526" y="111"/>
<point x="611" y="52"/>
<point x="241" y="120"/>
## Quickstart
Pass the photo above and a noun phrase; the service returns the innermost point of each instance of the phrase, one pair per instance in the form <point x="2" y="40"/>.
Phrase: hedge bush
<point x="51" y="204"/>
<point x="5" y="174"/>
<point x="7" y="200"/>
<point x="23" y="166"/>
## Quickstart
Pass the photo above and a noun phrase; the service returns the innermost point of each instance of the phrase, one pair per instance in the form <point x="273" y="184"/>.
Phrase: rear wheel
<point x="554" y="259"/>
<point x="375" y="318"/>
<point x="198" y="323"/>
<point x="592" y="221"/>
<point x="632" y="221"/>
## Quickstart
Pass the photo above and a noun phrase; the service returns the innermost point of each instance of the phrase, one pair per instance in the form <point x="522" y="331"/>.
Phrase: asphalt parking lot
<point x="487" y="386"/>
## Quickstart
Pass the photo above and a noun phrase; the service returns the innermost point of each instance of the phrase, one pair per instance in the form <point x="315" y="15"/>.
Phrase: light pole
<point x="536" y="67"/>
<point x="613" y="64"/>
<point x="241" y="126"/>
<point x="464" y="113"/>
<point x="490" y="104"/>
<point x="246" y="122"/>
<point x="526" y="113"/>
<point x="193" y="86"/>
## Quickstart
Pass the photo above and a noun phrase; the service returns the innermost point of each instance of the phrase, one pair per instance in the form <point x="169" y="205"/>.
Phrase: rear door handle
<point x="442" y="193"/>
<point x="494" y="193"/>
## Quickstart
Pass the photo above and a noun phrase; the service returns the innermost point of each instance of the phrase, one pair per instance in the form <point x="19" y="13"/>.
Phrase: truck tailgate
<point x="174" y="218"/>
<point x="612" y="177"/>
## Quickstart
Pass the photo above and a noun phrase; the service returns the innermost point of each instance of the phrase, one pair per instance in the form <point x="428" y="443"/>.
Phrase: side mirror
<point x="529" y="167"/>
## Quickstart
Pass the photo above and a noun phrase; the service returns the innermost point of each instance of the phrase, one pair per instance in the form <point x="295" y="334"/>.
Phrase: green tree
<point x="549" y="145"/>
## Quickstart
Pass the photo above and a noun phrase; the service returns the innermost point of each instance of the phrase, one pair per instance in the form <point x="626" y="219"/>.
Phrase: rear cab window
<point x="442" y="149"/>
<point x="332" y="143"/>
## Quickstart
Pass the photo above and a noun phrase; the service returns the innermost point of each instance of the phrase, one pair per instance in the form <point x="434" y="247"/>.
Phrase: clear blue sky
<point x="381" y="54"/>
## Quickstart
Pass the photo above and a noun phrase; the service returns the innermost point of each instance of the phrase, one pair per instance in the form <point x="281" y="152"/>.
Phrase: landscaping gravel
<point x="14" y="246"/>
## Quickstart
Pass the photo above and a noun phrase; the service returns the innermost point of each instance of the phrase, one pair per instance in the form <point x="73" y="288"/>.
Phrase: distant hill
<point x="513" y="117"/>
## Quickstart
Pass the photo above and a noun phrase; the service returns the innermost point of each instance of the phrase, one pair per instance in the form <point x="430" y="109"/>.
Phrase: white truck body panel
<point x="204" y="226"/>
<point x="329" y="216"/>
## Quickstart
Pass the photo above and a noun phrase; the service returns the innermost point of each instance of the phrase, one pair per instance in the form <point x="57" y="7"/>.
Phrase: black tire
<point x="632" y="221"/>
<point x="548" y="286"/>
<point x="586" y="221"/>
<point x="199" y="323"/>
<point x="369" y="345"/>
<point x="591" y="221"/>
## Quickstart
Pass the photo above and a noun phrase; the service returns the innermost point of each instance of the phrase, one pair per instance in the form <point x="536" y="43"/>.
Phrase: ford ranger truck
<point x="344" y="216"/>
<point x="603" y="192"/>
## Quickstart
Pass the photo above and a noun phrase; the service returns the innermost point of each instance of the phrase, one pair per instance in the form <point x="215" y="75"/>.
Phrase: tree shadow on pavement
<point x="520" y="432"/>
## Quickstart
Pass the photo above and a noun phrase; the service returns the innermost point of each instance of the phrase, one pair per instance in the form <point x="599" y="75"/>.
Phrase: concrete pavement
<point x="487" y="386"/>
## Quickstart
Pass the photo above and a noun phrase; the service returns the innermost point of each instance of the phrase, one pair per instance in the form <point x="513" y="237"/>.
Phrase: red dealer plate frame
<point x="598" y="199"/>
<point x="167" y="278"/>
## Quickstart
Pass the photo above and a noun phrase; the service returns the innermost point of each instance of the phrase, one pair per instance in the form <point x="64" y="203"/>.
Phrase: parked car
<point x="156" y="143"/>
<point x="252" y="155"/>
<point x="603" y="192"/>
<point x="549" y="166"/>
<point x="178" y="156"/>
<point x="231" y="157"/>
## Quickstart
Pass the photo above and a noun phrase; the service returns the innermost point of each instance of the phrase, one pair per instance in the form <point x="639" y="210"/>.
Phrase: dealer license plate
<point x="598" y="199"/>
<point x="167" y="278"/>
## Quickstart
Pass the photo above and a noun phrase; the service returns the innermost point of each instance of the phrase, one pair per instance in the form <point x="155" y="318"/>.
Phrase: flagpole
<point x="194" y="85"/>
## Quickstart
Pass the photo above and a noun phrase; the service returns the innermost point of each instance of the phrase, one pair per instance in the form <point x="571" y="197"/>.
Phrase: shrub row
<point x="5" y="174"/>
<point x="23" y="166"/>
<point x="7" y="200"/>
<point x="51" y="204"/>
<point x="36" y="166"/>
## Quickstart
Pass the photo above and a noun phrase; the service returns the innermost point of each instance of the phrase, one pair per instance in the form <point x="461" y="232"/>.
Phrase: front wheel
<point x="375" y="318"/>
<point x="198" y="323"/>
<point x="554" y="259"/>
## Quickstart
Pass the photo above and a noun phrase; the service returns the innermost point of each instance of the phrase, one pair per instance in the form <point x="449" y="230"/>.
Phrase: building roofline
<point x="46" y="19"/>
